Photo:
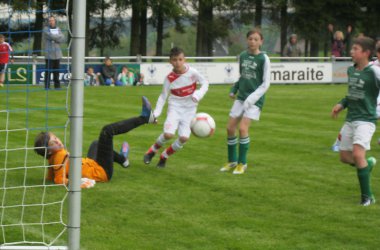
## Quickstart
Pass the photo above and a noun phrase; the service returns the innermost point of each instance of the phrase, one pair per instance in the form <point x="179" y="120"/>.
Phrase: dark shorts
<point x="3" y="67"/>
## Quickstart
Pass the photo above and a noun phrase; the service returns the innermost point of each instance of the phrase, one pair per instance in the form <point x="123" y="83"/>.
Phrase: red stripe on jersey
<point x="172" y="77"/>
<point x="184" y="91"/>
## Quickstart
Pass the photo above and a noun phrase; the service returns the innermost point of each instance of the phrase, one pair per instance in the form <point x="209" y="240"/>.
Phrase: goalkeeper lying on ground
<point x="98" y="165"/>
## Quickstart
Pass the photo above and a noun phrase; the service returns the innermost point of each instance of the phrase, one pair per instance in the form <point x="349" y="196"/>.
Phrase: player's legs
<point x="56" y="69"/>
<point x="232" y="141"/>
<point x="336" y="145"/>
<point x="3" y="69"/>
<point x="105" y="154"/>
<point x="2" y="77"/>
<point x="93" y="149"/>
<point x="235" y="116"/>
<point x="359" y="134"/>
<point x="363" y="132"/>
<point x="244" y="140"/>
<point x="47" y="73"/>
<point x="251" y="113"/>
<point x="170" y="128"/>
<point x="185" y="116"/>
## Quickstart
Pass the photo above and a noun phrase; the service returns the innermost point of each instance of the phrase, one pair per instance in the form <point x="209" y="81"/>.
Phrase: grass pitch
<point x="295" y="194"/>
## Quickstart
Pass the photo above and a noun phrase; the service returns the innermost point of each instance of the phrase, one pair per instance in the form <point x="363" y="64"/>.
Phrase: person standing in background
<point x="5" y="50"/>
<point x="292" y="49"/>
<point x="53" y="38"/>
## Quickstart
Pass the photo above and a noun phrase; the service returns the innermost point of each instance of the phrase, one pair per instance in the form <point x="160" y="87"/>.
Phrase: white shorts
<point x="357" y="132"/>
<point x="238" y="110"/>
<point x="378" y="108"/>
<point x="179" y="118"/>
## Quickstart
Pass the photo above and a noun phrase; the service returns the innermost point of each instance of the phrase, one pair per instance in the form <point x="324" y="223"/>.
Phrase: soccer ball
<point x="202" y="125"/>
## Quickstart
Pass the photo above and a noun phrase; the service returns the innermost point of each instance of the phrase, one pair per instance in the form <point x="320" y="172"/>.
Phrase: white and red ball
<point x="202" y="125"/>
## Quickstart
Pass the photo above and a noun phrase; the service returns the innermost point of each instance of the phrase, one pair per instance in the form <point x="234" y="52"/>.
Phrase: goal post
<point x="35" y="213"/>
<point x="76" y="120"/>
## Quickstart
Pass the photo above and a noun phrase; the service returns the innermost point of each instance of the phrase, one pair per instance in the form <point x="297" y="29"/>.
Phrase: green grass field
<point x="295" y="195"/>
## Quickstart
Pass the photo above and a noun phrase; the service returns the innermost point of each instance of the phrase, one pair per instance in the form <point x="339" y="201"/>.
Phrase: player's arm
<point x="336" y="110"/>
<point x="60" y="171"/>
<point x="47" y="34"/>
<point x="339" y="107"/>
<point x="58" y="38"/>
<point x="235" y="88"/>
<point x="162" y="99"/>
<point x="199" y="94"/>
<point x="262" y="89"/>
<point x="376" y="69"/>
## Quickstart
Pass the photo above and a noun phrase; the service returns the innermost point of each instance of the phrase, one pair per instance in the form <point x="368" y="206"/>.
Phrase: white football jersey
<point x="181" y="89"/>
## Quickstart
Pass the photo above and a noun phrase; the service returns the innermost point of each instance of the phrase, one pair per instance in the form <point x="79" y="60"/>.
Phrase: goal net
<point x="33" y="211"/>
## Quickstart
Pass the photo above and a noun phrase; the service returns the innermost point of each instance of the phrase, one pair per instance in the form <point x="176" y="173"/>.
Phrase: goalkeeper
<point x="99" y="164"/>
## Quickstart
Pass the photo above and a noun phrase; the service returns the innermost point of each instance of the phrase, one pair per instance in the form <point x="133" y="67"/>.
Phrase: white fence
<point x="218" y="70"/>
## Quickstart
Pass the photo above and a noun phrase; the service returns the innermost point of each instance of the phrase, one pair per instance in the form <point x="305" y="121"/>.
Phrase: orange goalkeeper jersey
<point x="60" y="173"/>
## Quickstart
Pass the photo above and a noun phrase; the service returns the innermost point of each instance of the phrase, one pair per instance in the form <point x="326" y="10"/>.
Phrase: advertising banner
<point x="340" y="71"/>
<point x="19" y="74"/>
<point x="222" y="73"/>
<point x="310" y="72"/>
<point x="64" y="74"/>
<point x="215" y="73"/>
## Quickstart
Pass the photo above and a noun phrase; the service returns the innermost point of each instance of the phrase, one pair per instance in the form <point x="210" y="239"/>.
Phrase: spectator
<point x="347" y="40"/>
<point x="125" y="78"/>
<point x="53" y="38"/>
<point x="292" y="49"/>
<point x="108" y="74"/>
<point x="339" y="42"/>
<point x="90" y="78"/>
<point x="139" y="79"/>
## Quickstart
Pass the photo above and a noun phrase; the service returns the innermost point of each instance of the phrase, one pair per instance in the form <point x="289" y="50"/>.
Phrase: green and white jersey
<point x="363" y="90"/>
<point x="254" y="78"/>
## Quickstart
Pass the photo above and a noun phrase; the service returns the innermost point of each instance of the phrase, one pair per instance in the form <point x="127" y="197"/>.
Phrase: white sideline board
<point x="215" y="73"/>
<point x="228" y="73"/>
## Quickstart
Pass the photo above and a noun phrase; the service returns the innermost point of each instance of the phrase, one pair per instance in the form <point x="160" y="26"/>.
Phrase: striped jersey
<point x="181" y="88"/>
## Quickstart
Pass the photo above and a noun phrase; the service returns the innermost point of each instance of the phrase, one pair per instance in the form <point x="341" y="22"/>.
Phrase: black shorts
<point x="3" y="67"/>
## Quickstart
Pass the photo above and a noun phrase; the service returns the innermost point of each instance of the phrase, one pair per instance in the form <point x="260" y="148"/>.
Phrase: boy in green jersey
<point x="360" y="124"/>
<point x="249" y="92"/>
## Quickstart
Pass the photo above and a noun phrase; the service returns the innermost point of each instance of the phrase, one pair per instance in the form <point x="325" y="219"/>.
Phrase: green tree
<point x="19" y="5"/>
<point x="169" y="12"/>
<point x="210" y="26"/>
<point x="105" y="32"/>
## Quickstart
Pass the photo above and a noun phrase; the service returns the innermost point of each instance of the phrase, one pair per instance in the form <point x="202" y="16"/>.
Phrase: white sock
<point x="126" y="163"/>
<point x="160" y="141"/>
<point x="177" y="145"/>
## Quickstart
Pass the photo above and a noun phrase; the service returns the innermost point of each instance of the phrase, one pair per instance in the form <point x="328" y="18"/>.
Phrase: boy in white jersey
<point x="181" y="87"/>
<point x="360" y="124"/>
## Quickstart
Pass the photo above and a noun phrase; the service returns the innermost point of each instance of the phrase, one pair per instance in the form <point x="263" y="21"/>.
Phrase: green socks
<point x="243" y="150"/>
<point x="232" y="155"/>
<point x="364" y="181"/>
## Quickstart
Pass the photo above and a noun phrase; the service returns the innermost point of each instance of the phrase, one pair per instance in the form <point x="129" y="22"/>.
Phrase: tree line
<point x="212" y="20"/>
